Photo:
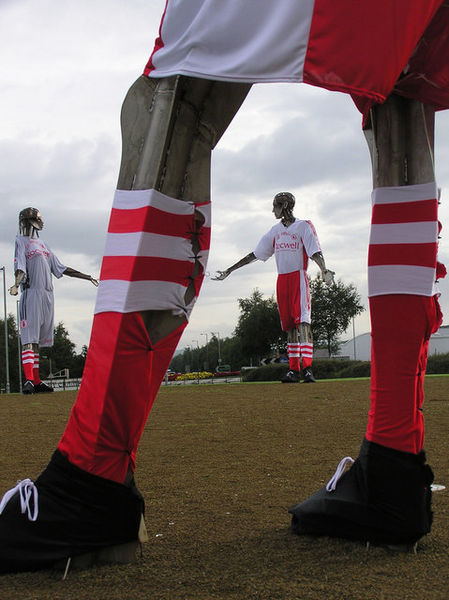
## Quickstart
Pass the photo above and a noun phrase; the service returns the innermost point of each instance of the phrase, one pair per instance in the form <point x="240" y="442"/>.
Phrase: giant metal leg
<point x="169" y="129"/>
<point x="385" y="496"/>
<point x="87" y="496"/>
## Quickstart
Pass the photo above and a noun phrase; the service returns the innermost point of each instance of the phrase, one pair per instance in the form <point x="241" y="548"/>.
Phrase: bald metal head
<point x="283" y="204"/>
<point x="30" y="221"/>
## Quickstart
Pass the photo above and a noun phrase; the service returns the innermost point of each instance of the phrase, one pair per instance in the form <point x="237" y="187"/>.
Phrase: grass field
<point x="219" y="466"/>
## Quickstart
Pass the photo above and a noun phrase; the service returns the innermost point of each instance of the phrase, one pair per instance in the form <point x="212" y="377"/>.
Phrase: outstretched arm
<point x="73" y="273"/>
<point x="14" y="290"/>
<point x="246" y="260"/>
<point x="326" y="274"/>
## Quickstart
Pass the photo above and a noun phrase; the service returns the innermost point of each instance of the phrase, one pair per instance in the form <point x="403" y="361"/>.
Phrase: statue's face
<point x="37" y="221"/>
<point x="278" y="208"/>
<point x="30" y="220"/>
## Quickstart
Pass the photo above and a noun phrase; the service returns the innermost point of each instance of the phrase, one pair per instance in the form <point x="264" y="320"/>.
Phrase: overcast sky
<point x="66" y="67"/>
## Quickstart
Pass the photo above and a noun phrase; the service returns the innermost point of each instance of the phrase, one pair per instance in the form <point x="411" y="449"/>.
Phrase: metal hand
<point x="220" y="275"/>
<point x="328" y="276"/>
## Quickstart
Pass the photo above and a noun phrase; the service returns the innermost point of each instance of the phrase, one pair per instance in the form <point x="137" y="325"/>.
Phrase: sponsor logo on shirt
<point x="286" y="241"/>
<point x="40" y="251"/>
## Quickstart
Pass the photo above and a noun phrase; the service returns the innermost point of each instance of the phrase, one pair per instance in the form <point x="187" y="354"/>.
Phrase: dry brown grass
<point x="219" y="466"/>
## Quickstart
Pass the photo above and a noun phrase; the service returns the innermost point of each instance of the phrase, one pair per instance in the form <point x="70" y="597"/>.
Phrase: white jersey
<point x="37" y="261"/>
<point x="36" y="306"/>
<point x="292" y="246"/>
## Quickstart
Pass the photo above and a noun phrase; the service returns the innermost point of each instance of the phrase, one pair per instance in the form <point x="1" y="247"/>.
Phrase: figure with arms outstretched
<point x="34" y="265"/>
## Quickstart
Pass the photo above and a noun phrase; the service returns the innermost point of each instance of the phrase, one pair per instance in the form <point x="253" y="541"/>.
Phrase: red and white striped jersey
<point x="366" y="49"/>
<point x="37" y="261"/>
<point x="290" y="245"/>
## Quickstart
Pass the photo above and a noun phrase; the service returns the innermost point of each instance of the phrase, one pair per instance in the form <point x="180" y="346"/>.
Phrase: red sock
<point x="36" y="377"/>
<point x="306" y="354"/>
<point x="28" y="363"/>
<point x="402" y="261"/>
<point x="401" y="328"/>
<point x="293" y="356"/>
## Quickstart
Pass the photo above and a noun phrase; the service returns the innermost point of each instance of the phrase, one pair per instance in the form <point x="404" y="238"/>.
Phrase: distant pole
<point x="189" y="358"/>
<point x="353" y="338"/>
<point x="206" y="366"/>
<point x="18" y="346"/>
<point x="219" y="352"/>
<point x="198" y="365"/>
<point x="8" y="387"/>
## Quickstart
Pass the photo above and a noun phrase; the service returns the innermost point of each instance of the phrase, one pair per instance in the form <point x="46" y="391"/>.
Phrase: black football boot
<point x="384" y="498"/>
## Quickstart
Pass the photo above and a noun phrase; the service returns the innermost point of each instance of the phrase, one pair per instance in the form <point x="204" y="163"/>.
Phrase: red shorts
<point x="293" y="298"/>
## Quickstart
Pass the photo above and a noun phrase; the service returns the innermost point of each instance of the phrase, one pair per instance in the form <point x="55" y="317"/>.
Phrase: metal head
<point x="283" y="204"/>
<point x="30" y="221"/>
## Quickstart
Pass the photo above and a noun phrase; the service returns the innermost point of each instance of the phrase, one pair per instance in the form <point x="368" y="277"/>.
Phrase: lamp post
<point x="18" y="346"/>
<point x="206" y="366"/>
<point x="353" y="338"/>
<point x="187" y="367"/>
<point x="218" y="339"/>
<point x="8" y="387"/>
<point x="198" y="348"/>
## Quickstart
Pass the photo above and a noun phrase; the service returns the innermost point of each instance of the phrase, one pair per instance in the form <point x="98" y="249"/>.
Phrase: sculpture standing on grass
<point x="293" y="242"/>
<point x="205" y="59"/>
<point x="34" y="265"/>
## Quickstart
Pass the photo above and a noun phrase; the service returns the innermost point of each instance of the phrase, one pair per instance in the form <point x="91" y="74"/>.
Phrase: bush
<point x="194" y="375"/>
<point x="267" y="373"/>
<point x="335" y="369"/>
<point x="357" y="368"/>
<point x="438" y="363"/>
<point x="328" y="368"/>
<point x="322" y="369"/>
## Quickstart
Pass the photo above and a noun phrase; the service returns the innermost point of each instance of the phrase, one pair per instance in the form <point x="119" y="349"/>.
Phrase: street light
<point x="187" y="367"/>
<point x="8" y="387"/>
<point x="198" y="348"/>
<point x="206" y="366"/>
<point x="50" y="375"/>
<point x="219" y="352"/>
<point x="353" y="338"/>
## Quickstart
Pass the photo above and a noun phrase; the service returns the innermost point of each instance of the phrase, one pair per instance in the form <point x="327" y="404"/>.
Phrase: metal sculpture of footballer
<point x="293" y="242"/>
<point x="34" y="265"/>
<point x="393" y="58"/>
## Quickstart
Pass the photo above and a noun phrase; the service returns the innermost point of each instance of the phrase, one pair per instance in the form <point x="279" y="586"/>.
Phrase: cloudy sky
<point x="66" y="67"/>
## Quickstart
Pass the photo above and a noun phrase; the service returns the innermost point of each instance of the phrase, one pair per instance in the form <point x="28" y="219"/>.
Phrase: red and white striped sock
<point x="293" y="353"/>
<point x="36" y="376"/>
<point x="306" y="354"/>
<point x="149" y="263"/>
<point x="402" y="262"/>
<point x="28" y="363"/>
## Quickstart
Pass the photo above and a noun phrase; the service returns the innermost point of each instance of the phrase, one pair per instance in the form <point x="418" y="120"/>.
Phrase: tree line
<point x="61" y="355"/>
<point x="258" y="334"/>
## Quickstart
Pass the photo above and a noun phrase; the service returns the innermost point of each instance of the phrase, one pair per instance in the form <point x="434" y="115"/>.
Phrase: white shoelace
<point x="26" y="489"/>
<point x="332" y="483"/>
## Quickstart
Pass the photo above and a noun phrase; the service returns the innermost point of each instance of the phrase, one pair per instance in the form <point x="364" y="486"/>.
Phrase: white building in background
<point x="359" y="348"/>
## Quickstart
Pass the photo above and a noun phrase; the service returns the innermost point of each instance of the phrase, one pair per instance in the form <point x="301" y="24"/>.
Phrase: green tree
<point x="192" y="357"/>
<point x="333" y="307"/>
<point x="258" y="327"/>
<point x="77" y="365"/>
<point x="62" y="353"/>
